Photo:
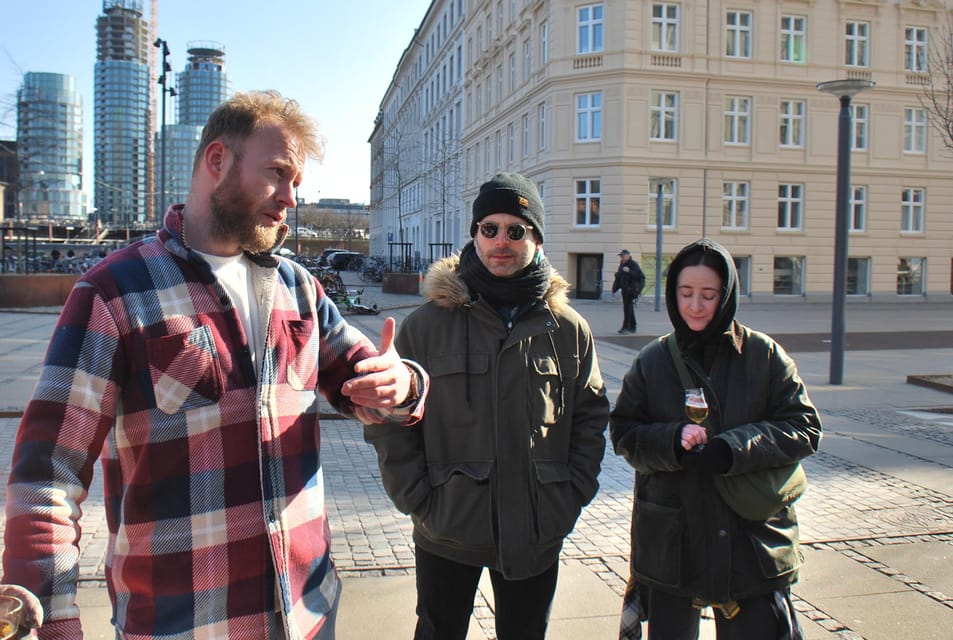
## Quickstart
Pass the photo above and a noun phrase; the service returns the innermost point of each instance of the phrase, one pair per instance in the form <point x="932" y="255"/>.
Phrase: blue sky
<point x="336" y="58"/>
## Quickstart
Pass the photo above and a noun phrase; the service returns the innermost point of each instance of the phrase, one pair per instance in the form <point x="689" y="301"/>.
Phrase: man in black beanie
<point x="511" y="444"/>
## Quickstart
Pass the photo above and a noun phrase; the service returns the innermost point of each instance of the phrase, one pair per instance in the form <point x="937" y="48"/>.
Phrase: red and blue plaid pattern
<point x="214" y="488"/>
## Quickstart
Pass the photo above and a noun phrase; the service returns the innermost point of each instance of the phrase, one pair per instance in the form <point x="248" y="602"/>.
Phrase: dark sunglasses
<point x="513" y="231"/>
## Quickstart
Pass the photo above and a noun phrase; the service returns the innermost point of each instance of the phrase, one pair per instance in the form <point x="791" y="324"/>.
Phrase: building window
<point x="738" y="34"/>
<point x="669" y="189"/>
<point x="588" y="196"/>
<point x="527" y="60"/>
<point x="858" y="208"/>
<point x="858" y="136"/>
<point x="792" y="123"/>
<point x="663" y="114"/>
<point x="789" y="275"/>
<point x="912" y="210"/>
<point x="734" y="205"/>
<point x="737" y="120"/>
<point x="857" y="44"/>
<point x="910" y="276"/>
<point x="858" y="276"/>
<point x="589" y="29"/>
<point x="915" y="49"/>
<point x="512" y="72"/>
<point x="790" y="206"/>
<point x="541" y="111"/>
<point x="589" y="116"/>
<point x="794" y="39"/>
<point x="525" y="135"/>
<point x="665" y="27"/>
<point x="543" y="42"/>
<point x="914" y="130"/>
<point x="510" y="143"/>
<point x="743" y="267"/>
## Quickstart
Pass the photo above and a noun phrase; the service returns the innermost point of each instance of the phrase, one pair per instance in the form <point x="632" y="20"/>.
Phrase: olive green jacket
<point x="685" y="540"/>
<point x="511" y="444"/>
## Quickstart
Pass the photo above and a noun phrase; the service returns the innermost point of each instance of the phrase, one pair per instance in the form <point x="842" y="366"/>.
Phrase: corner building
<point x="604" y="103"/>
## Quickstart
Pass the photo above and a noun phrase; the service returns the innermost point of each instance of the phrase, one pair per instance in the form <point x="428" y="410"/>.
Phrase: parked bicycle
<point x="372" y="269"/>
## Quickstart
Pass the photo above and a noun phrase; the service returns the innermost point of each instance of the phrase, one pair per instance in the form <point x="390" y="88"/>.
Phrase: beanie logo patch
<point x="524" y="202"/>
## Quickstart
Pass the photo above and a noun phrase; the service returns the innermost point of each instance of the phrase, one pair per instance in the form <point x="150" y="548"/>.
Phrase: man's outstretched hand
<point x="383" y="381"/>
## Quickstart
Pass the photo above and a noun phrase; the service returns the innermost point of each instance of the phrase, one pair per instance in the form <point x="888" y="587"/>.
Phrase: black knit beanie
<point x="509" y="193"/>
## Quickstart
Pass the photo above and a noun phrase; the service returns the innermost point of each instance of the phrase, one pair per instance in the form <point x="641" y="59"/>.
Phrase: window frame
<point x="915" y="122"/>
<point x="588" y="192"/>
<point x="737" y="121"/>
<point x="738" y="36"/>
<point x="663" y="117"/>
<point x="917" y="265"/>
<point x="590" y="29"/>
<point x="791" y="125"/>
<point x="589" y="116"/>
<point x="735" y="205"/>
<point x="793" y="39"/>
<point x="857" y="212"/>
<point x="665" y="29"/>
<point x="790" y="207"/>
<point x="669" y="202"/>
<point x="857" y="45"/>
<point x="913" y="210"/>
<point x="861" y="281"/>
<point x="915" y="49"/>
<point x="797" y="266"/>
<point x="859" y="126"/>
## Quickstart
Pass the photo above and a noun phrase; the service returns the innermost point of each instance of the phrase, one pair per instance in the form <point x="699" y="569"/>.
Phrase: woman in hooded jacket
<point x="689" y="548"/>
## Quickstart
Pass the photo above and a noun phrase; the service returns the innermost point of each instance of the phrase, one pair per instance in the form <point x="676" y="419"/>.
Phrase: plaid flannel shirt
<point x="213" y="481"/>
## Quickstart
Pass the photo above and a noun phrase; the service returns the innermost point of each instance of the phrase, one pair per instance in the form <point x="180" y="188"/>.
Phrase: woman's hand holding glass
<point x="696" y="408"/>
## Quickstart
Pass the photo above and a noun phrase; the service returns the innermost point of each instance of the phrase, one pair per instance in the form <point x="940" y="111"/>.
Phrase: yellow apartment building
<point x="712" y="104"/>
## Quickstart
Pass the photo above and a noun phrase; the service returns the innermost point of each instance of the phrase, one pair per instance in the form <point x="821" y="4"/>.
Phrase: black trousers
<point x="765" y="617"/>
<point x="628" y="311"/>
<point x="445" y="593"/>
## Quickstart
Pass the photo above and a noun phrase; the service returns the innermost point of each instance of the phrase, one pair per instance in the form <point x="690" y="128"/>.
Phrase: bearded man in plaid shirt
<point x="190" y="364"/>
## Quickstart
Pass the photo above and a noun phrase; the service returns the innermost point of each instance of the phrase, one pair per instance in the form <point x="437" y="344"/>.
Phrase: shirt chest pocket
<point x="185" y="370"/>
<point x="302" y="363"/>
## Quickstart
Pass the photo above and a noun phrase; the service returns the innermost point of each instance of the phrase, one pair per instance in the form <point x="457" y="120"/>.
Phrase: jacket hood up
<point x="445" y="288"/>
<point x="709" y="253"/>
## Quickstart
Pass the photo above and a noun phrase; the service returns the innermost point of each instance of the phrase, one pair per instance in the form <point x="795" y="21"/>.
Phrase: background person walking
<point x="630" y="280"/>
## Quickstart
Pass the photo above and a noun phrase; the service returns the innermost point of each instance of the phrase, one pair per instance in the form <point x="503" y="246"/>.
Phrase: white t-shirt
<point x="234" y="274"/>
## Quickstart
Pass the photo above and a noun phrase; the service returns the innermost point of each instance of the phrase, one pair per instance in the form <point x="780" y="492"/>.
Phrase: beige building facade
<point x="603" y="104"/>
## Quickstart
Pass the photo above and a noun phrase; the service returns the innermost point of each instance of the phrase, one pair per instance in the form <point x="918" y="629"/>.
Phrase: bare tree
<point x="937" y="96"/>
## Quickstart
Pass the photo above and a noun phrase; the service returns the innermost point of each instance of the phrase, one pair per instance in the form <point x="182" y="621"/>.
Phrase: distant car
<point x="345" y="260"/>
<point x="326" y="254"/>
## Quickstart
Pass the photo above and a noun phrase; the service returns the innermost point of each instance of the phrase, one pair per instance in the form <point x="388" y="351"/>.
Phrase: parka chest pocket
<point x="551" y="385"/>
<point x="185" y="370"/>
<point x="457" y="378"/>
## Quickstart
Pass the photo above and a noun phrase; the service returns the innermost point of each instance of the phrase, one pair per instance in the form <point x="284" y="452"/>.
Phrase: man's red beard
<point x="235" y="218"/>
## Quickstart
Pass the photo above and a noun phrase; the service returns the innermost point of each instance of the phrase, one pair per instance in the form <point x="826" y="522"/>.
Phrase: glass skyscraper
<point x="50" y="148"/>
<point x="202" y="86"/>
<point x="121" y="121"/>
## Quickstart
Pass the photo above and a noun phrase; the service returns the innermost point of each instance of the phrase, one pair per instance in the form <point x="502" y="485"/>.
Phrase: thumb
<point x="387" y="335"/>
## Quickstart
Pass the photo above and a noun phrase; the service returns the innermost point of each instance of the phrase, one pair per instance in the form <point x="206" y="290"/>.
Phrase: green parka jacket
<point x="685" y="539"/>
<point x="511" y="444"/>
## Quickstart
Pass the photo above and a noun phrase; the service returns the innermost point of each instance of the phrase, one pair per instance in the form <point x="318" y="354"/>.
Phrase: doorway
<point x="589" y="276"/>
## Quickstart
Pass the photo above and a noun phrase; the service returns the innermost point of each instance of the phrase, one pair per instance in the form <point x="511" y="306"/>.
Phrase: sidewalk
<point x="876" y="523"/>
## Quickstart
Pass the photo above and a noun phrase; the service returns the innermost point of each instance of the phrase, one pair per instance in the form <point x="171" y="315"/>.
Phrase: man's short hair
<point x="240" y="116"/>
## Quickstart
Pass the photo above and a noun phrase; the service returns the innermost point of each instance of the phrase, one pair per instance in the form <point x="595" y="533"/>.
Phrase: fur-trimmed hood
<point x="444" y="287"/>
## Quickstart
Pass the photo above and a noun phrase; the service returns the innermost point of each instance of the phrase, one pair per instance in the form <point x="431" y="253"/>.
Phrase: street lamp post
<point x="163" y="80"/>
<point x="844" y="90"/>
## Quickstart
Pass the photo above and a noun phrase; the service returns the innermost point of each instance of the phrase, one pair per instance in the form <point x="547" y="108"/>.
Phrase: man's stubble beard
<point x="234" y="216"/>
